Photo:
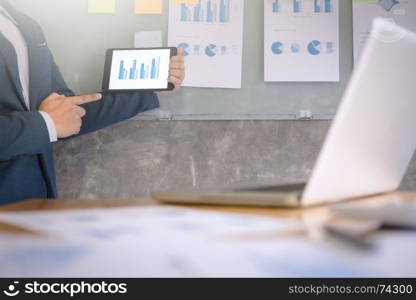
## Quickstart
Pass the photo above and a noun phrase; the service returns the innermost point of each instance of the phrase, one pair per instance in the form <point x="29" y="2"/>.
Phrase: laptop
<point x="369" y="145"/>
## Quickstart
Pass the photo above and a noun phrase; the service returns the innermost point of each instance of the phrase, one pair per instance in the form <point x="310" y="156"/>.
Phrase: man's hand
<point x="66" y="112"/>
<point x="176" y="71"/>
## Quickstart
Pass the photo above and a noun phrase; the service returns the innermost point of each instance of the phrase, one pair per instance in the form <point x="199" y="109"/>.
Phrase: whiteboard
<point x="79" y="40"/>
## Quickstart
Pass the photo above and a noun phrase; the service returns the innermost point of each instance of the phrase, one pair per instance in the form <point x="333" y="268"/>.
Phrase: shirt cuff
<point x="53" y="136"/>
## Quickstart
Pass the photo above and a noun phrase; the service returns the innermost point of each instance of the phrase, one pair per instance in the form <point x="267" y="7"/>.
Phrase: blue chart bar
<point x="184" y="12"/>
<point x="210" y="12"/>
<point x="198" y="13"/>
<point x="196" y="49"/>
<point x="223" y="50"/>
<point x="142" y="72"/>
<point x="276" y="6"/>
<point x="328" y="6"/>
<point x="123" y="72"/>
<point x="225" y="11"/>
<point x="296" y="6"/>
<point x="317" y="6"/>
<point x="329" y="47"/>
<point x="133" y="70"/>
<point x="155" y="68"/>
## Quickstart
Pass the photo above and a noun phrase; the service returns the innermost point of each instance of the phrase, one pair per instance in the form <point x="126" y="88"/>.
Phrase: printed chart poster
<point x="402" y="12"/>
<point x="301" y="40"/>
<point x="211" y="34"/>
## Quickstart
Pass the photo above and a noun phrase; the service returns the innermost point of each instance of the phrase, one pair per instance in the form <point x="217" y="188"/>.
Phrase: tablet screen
<point x="140" y="69"/>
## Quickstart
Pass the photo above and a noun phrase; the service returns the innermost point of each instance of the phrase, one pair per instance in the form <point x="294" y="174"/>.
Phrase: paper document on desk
<point x="149" y="242"/>
<point x="106" y="224"/>
<point x="175" y="242"/>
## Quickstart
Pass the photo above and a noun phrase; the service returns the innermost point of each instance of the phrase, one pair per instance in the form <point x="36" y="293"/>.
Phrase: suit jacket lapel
<point x="27" y="28"/>
<point x="10" y="58"/>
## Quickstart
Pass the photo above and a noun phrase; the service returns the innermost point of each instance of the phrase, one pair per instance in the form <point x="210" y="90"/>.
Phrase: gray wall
<point x="130" y="159"/>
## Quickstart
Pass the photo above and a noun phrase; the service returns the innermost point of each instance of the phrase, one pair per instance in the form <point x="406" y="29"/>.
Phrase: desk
<point x="336" y="261"/>
<point x="62" y="204"/>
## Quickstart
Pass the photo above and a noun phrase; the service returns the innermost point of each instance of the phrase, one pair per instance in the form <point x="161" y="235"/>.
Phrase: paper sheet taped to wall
<point x="148" y="39"/>
<point x="148" y="6"/>
<point x="301" y="40"/>
<point x="101" y="6"/>
<point x="211" y="34"/>
<point x="402" y="12"/>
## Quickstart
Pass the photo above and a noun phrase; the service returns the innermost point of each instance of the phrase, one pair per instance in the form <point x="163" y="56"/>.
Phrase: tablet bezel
<point x="107" y="70"/>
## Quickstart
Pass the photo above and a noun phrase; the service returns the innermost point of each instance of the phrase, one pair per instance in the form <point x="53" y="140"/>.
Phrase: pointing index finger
<point x="83" y="99"/>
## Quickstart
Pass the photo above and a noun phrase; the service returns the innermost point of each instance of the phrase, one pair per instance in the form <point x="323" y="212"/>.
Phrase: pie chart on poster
<point x="185" y="48"/>
<point x="313" y="47"/>
<point x="211" y="50"/>
<point x="295" y="48"/>
<point x="277" y="48"/>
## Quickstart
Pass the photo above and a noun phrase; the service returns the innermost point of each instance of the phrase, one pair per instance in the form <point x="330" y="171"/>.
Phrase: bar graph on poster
<point x="211" y="35"/>
<point x="301" y="40"/>
<point x="206" y="11"/>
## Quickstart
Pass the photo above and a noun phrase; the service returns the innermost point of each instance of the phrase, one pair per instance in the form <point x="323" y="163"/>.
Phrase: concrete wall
<point x="133" y="158"/>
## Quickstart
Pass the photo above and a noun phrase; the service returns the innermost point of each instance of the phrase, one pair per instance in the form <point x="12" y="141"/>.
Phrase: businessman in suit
<point x="37" y="108"/>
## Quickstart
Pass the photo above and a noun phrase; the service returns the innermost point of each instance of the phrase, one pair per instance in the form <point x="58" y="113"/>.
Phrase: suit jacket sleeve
<point x="22" y="133"/>
<point x="111" y="109"/>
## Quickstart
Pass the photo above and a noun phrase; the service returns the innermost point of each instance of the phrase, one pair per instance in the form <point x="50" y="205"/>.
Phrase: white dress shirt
<point x="10" y="30"/>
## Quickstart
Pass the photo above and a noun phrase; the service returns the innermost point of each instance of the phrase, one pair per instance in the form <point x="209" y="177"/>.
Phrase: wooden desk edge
<point x="293" y="213"/>
<point x="65" y="204"/>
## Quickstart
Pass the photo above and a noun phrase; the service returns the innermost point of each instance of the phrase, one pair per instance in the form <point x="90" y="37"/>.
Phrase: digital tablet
<point x="145" y="69"/>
